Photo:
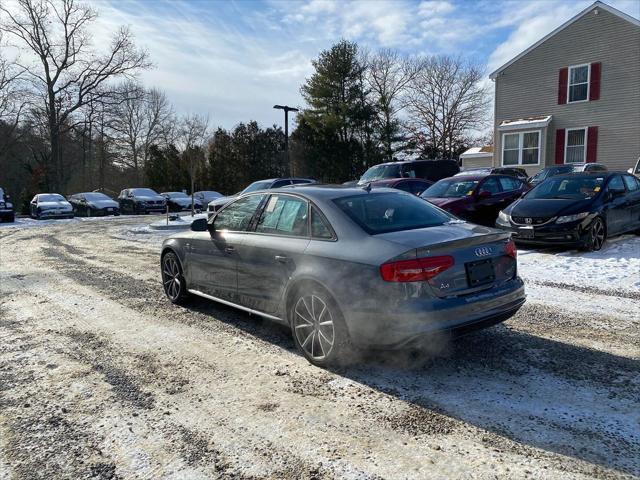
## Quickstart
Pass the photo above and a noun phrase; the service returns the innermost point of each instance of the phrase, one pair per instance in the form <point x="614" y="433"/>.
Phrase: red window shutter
<point x="592" y="144"/>
<point x="563" y="77"/>
<point x="560" y="146"/>
<point x="594" y="85"/>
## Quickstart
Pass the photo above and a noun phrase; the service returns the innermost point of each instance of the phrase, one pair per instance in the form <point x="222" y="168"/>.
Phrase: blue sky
<point x="233" y="60"/>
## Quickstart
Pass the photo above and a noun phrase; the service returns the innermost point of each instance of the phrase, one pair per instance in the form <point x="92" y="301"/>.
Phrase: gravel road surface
<point x="101" y="377"/>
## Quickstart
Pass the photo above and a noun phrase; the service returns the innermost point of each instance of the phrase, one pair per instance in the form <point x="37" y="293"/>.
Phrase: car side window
<point x="319" y="227"/>
<point x="509" y="184"/>
<point x="616" y="184"/>
<point x="418" y="187"/>
<point x="281" y="183"/>
<point x="404" y="186"/>
<point x="490" y="185"/>
<point x="284" y="215"/>
<point x="632" y="183"/>
<point x="237" y="216"/>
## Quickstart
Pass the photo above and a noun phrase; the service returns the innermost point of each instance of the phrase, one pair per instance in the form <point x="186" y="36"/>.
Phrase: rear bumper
<point x="421" y="317"/>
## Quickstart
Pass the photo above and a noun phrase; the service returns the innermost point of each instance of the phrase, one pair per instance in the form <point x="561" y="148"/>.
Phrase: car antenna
<point x="367" y="187"/>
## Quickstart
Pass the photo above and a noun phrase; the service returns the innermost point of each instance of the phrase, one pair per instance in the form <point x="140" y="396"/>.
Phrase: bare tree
<point x="193" y="136"/>
<point x="389" y="76"/>
<point x="446" y="102"/>
<point x="142" y="118"/>
<point x="64" y="68"/>
<point x="13" y="100"/>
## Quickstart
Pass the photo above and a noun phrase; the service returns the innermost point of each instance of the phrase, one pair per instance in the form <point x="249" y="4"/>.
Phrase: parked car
<point x="347" y="267"/>
<point x="580" y="209"/>
<point x="141" y="200"/>
<point x="203" y="197"/>
<point x="218" y="203"/>
<point x="411" y="185"/>
<point x="566" y="168"/>
<point x="179" y="201"/>
<point x="432" y="170"/>
<point x="520" y="173"/>
<point x="93" y="204"/>
<point x="7" y="213"/>
<point x="635" y="170"/>
<point x="476" y="198"/>
<point x="50" y="205"/>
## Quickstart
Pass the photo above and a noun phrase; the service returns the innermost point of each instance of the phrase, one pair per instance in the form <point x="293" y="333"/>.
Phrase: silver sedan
<point x="347" y="267"/>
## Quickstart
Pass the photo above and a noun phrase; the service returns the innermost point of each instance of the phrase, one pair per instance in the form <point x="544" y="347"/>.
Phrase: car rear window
<point x="391" y="212"/>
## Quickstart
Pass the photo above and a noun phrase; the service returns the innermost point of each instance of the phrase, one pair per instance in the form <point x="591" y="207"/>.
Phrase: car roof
<point x="587" y="175"/>
<point x="324" y="191"/>
<point x="404" y="162"/>
<point x="476" y="176"/>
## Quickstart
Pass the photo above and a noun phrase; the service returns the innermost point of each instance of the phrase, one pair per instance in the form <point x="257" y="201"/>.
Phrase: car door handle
<point x="281" y="258"/>
<point x="229" y="249"/>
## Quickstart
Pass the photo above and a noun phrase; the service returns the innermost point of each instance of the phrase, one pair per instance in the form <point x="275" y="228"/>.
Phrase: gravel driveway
<point x="101" y="377"/>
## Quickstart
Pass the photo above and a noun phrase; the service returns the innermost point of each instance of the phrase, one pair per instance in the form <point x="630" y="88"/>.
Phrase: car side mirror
<point x="199" y="225"/>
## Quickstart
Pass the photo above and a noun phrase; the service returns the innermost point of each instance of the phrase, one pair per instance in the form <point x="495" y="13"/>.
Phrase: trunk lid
<point x="480" y="256"/>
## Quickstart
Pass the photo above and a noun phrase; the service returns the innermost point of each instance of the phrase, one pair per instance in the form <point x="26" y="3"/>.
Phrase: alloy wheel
<point x="171" y="277"/>
<point x="597" y="234"/>
<point x="314" y="327"/>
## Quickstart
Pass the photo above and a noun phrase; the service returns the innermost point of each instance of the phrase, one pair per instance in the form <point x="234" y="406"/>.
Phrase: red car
<point x="476" y="198"/>
<point x="411" y="185"/>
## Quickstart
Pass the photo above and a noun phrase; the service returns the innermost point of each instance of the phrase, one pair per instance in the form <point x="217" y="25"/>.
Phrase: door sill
<point x="235" y="305"/>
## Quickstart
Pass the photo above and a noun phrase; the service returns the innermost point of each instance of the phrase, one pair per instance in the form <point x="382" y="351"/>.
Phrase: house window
<point x="579" y="83"/>
<point x="575" y="150"/>
<point x="521" y="148"/>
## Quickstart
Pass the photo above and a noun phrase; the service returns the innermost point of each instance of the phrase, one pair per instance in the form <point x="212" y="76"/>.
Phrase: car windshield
<point x="450" y="188"/>
<point x="261" y="185"/>
<point x="475" y="171"/>
<point x="96" y="197"/>
<point x="379" y="172"/>
<point x="391" y="212"/>
<point x="51" y="197"/>
<point x="143" y="192"/>
<point x="177" y="195"/>
<point x="578" y="188"/>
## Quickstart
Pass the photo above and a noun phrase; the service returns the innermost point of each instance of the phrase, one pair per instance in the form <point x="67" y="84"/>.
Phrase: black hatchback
<point x="579" y="209"/>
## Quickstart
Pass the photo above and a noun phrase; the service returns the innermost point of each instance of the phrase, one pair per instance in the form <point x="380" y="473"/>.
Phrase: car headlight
<point x="572" y="218"/>
<point x="504" y="217"/>
<point x="2" y="205"/>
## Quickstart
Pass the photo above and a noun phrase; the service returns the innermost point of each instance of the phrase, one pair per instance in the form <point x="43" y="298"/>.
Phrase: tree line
<point x="76" y="118"/>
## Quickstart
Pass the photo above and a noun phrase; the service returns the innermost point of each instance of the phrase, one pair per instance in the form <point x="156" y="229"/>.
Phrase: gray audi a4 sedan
<point x="347" y="267"/>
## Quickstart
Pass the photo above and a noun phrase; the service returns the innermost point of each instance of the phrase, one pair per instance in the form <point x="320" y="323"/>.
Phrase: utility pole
<point x="286" y="109"/>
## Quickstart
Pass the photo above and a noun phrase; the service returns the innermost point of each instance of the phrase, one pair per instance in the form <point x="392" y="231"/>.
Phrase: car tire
<point x="318" y="327"/>
<point x="597" y="235"/>
<point x="173" y="282"/>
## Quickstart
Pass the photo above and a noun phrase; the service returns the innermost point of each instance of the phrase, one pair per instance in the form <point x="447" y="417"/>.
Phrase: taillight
<point x="417" y="270"/>
<point x="511" y="249"/>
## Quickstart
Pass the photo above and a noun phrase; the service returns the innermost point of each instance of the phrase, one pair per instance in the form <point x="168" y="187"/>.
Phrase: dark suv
<point x="7" y="213"/>
<point x="432" y="170"/>
<point x="566" y="168"/>
<point x="141" y="200"/>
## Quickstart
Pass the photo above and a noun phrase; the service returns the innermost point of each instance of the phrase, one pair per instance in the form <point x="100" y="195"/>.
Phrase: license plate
<point x="525" y="232"/>
<point x="480" y="272"/>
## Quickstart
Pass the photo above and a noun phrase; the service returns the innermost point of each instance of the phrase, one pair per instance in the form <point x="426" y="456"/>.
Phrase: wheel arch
<point x="297" y="283"/>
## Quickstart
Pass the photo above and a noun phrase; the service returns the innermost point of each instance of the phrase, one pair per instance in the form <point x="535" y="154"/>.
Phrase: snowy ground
<point x="101" y="377"/>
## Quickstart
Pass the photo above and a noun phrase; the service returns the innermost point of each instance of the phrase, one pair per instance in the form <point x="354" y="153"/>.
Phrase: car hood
<point x="181" y="201"/>
<point x="455" y="231"/>
<point x="223" y="200"/>
<point x="446" y="202"/>
<point x="547" y="207"/>
<point x="150" y="198"/>
<point x="57" y="205"/>
<point x="103" y="203"/>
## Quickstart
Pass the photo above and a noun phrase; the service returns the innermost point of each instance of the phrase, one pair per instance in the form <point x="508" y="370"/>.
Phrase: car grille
<point x="531" y="220"/>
